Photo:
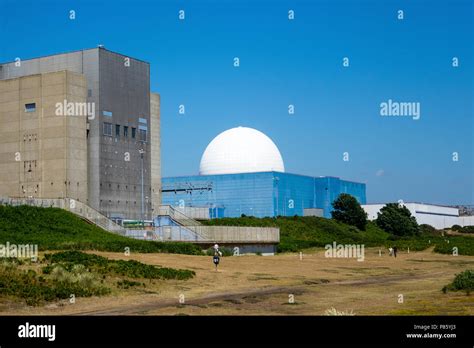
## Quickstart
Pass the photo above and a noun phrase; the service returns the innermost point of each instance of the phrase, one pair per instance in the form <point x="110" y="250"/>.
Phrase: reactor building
<point x="242" y="172"/>
<point x="81" y="125"/>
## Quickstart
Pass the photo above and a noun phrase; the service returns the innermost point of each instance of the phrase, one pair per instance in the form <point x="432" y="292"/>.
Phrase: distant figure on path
<point x="217" y="254"/>
<point x="390" y="251"/>
<point x="395" y="249"/>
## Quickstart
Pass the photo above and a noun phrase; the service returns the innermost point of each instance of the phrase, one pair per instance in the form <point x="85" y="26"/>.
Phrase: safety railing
<point x="182" y="219"/>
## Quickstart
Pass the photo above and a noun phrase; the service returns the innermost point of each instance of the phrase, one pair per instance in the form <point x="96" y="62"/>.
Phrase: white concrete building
<point x="437" y="216"/>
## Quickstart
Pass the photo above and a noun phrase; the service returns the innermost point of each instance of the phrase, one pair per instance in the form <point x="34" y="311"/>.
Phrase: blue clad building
<point x="242" y="172"/>
<point x="258" y="194"/>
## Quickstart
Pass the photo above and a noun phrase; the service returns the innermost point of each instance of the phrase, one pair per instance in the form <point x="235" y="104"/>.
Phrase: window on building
<point x="125" y="131"/>
<point x="142" y="135"/>
<point x="117" y="130"/>
<point x="107" y="129"/>
<point x="31" y="107"/>
<point x="107" y="113"/>
<point x="134" y="131"/>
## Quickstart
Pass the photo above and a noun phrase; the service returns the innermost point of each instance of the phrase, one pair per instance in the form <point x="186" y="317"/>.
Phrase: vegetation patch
<point x="125" y="284"/>
<point x="463" y="281"/>
<point x="35" y="289"/>
<point x="465" y="229"/>
<point x="73" y="273"/>
<point x="129" y="268"/>
<point x="58" y="229"/>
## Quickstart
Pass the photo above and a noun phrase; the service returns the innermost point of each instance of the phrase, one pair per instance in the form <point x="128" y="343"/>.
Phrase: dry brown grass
<point x="256" y="285"/>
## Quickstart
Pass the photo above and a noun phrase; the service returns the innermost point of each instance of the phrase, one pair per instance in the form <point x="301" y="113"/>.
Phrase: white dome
<point x="241" y="150"/>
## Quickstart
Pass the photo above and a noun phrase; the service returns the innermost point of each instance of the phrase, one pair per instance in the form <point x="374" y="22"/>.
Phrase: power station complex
<point x="242" y="172"/>
<point x="83" y="126"/>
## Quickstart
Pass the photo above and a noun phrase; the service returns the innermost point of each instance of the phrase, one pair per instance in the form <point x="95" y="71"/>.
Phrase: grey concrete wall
<point x="42" y="154"/>
<point x="124" y="91"/>
<point x="155" y="165"/>
<point x="114" y="184"/>
<point x="85" y="62"/>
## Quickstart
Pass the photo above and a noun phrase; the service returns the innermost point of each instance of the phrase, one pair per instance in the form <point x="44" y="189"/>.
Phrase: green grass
<point x="299" y="233"/>
<point x="57" y="229"/>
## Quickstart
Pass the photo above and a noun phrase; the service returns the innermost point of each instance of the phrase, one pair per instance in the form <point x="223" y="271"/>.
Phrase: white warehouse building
<point x="437" y="216"/>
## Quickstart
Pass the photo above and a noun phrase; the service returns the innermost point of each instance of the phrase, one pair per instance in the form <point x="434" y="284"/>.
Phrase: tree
<point x="348" y="210"/>
<point x="396" y="219"/>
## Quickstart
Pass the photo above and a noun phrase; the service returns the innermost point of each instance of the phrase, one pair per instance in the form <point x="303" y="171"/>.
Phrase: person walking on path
<point x="217" y="255"/>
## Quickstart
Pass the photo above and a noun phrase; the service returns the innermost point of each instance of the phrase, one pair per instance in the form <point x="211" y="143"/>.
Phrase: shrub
<point x="348" y="210"/>
<point x="466" y="229"/>
<point x="397" y="220"/>
<point x="428" y="230"/>
<point x="463" y="281"/>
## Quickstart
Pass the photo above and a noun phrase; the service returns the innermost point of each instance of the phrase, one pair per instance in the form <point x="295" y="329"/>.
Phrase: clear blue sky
<point x="291" y="62"/>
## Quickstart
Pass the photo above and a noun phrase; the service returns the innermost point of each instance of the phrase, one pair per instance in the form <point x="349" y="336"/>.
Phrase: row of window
<point x="107" y="130"/>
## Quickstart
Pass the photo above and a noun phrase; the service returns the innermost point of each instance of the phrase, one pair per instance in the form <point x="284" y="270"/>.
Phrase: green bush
<point x="348" y="210"/>
<point x="428" y="230"/>
<point x="465" y="229"/>
<point x="463" y="281"/>
<point x="397" y="220"/>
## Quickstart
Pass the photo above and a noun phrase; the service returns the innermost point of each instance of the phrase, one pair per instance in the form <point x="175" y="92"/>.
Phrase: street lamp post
<point x="142" y="151"/>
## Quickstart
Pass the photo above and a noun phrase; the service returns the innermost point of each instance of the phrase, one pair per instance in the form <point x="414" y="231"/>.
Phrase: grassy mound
<point x="297" y="233"/>
<point x="57" y="229"/>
